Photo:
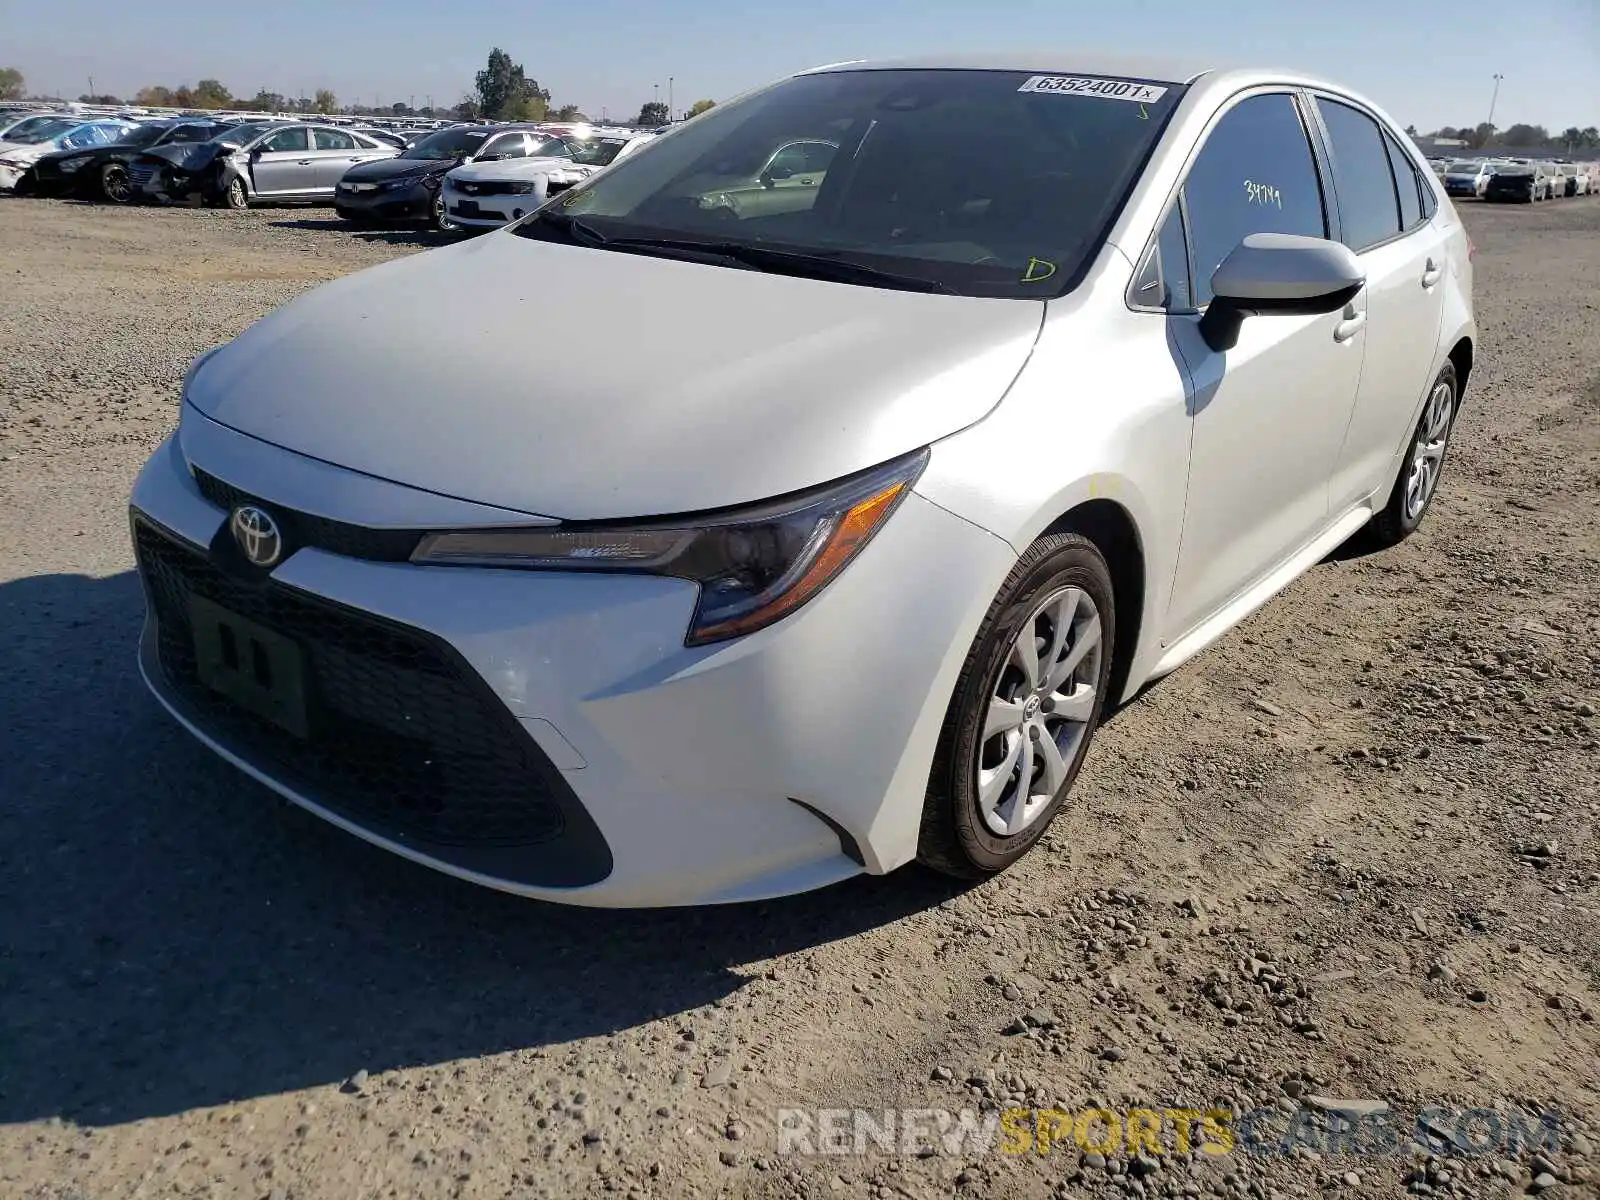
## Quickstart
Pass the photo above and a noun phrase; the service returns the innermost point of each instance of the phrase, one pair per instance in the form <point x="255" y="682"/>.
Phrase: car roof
<point x="1175" y="69"/>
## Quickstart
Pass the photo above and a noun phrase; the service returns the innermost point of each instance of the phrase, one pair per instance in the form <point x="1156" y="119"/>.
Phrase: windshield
<point x="597" y="153"/>
<point x="986" y="183"/>
<point x="448" y="143"/>
<point x="43" y="129"/>
<point x="240" y="134"/>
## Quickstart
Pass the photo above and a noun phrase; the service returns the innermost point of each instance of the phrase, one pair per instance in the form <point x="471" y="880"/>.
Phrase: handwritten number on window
<point x="1262" y="193"/>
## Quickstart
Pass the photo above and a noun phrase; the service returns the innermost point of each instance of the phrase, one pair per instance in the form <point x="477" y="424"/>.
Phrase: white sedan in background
<point x="896" y="487"/>
<point x="487" y="195"/>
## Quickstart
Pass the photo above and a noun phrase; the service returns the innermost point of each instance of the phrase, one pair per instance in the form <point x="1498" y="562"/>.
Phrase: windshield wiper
<point x="825" y="264"/>
<point x="574" y="227"/>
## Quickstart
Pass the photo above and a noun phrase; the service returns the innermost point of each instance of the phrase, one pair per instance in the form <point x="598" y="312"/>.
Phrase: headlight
<point x="17" y="163"/>
<point x="754" y="566"/>
<point x="68" y="165"/>
<point x="524" y="189"/>
<point x="389" y="185"/>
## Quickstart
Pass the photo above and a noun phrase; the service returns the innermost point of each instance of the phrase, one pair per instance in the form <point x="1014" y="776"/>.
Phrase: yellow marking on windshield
<point x="1039" y="269"/>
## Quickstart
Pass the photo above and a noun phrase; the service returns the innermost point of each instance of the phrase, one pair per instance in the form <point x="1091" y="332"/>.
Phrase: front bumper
<point x="776" y="763"/>
<point x="487" y="212"/>
<point x="10" y="175"/>
<point x="395" y="204"/>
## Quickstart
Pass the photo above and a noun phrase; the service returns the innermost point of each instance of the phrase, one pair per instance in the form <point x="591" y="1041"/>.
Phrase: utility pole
<point x="670" y="106"/>
<point x="92" y="92"/>
<point x="1493" y="100"/>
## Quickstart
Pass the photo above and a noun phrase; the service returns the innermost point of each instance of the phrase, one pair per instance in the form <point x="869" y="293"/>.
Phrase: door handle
<point x="1431" y="274"/>
<point x="302" y="162"/>
<point x="1350" y="325"/>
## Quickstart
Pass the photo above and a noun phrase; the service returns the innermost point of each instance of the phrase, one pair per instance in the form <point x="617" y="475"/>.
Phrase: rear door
<point x="333" y="152"/>
<point x="281" y="166"/>
<point x="1390" y="220"/>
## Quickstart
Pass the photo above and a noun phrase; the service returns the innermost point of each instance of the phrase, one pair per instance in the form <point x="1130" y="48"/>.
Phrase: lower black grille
<point x="303" y="529"/>
<point x="405" y="739"/>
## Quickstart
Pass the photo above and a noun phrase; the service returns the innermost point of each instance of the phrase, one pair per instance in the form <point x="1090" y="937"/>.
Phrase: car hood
<point x="381" y="169"/>
<point x="190" y="156"/>
<point x="26" y="151"/>
<point x="513" y="168"/>
<point x="582" y="384"/>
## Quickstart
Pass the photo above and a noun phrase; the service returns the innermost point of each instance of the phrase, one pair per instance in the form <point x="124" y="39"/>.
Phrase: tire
<point x="1053" y="578"/>
<point x="23" y="185"/>
<point x="116" y="187"/>
<point x="236" y="196"/>
<point x="438" y="218"/>
<point x="1401" y="515"/>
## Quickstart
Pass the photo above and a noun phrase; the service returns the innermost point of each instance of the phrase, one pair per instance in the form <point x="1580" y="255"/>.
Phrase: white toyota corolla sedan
<point x="908" y="470"/>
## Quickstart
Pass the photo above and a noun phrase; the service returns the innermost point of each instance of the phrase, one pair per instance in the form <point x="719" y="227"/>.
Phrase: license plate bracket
<point x="467" y="208"/>
<point x="261" y="671"/>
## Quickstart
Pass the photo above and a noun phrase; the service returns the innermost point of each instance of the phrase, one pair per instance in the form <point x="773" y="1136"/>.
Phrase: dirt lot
<point x="1350" y="852"/>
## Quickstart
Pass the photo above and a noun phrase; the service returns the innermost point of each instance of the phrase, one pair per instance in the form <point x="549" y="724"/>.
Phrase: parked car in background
<point x="486" y="195"/>
<point x="839" y="559"/>
<point x="21" y="129"/>
<point x="101" y="172"/>
<point x="1468" y="177"/>
<point x="17" y="157"/>
<point x="1556" y="173"/>
<point x="387" y="137"/>
<point x="786" y="180"/>
<point x="274" y="162"/>
<point x="409" y="186"/>
<point x="1525" y="183"/>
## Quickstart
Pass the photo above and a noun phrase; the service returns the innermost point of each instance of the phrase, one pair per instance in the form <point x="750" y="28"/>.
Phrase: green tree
<point x="12" y="84"/>
<point x="209" y="93"/>
<point x="102" y="99"/>
<point x="504" y="90"/>
<point x="1572" y="136"/>
<point x="466" y="109"/>
<point x="1480" y="136"/>
<point x="1526" y="135"/>
<point x="700" y="106"/>
<point x="568" y="112"/>
<point x="1591" y="138"/>
<point x="326" y="102"/>
<point x="651" y="114"/>
<point x="154" y="96"/>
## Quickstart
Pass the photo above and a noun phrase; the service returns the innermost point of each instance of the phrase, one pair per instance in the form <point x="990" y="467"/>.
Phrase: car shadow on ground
<point x="390" y="233"/>
<point x="173" y="936"/>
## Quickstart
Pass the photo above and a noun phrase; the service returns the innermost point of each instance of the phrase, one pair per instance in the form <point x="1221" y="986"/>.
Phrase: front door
<point x="1269" y="416"/>
<point x="280" y="166"/>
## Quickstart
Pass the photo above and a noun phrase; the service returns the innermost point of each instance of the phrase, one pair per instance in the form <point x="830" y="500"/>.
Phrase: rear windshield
<point x="1464" y="168"/>
<point x="987" y="183"/>
<point x="448" y="143"/>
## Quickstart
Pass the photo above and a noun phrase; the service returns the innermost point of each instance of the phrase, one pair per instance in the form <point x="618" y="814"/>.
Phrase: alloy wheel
<point x="1039" y="711"/>
<point x="115" y="183"/>
<point x="1427" y="457"/>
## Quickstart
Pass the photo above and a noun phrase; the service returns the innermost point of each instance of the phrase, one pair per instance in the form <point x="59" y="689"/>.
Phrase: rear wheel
<point x="1422" y="465"/>
<point x="1026" y="704"/>
<point x="115" y="184"/>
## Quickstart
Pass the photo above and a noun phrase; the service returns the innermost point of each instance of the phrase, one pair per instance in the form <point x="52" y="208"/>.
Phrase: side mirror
<point x="1278" y="273"/>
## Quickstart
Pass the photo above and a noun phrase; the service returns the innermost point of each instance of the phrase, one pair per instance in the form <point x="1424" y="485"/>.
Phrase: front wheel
<point x="236" y="196"/>
<point x="115" y="184"/>
<point x="1423" y="464"/>
<point x="440" y="219"/>
<point x="1027" y="702"/>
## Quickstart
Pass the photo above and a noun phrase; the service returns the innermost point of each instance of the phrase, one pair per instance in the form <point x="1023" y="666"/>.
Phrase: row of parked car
<point x="1519" y="179"/>
<point x="459" y="176"/>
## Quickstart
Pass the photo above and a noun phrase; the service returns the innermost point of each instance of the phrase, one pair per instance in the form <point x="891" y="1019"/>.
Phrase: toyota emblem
<point x="257" y="535"/>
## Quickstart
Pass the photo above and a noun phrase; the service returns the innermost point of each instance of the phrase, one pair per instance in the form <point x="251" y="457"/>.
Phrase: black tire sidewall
<point x="1073" y="563"/>
<point x="106" y="172"/>
<point x="236" y="196"/>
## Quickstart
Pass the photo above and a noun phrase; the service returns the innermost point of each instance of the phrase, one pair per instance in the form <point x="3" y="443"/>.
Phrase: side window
<point x="287" y="141"/>
<point x="1369" y="210"/>
<point x="1406" y="183"/>
<point x="1163" y="280"/>
<point x="554" y="148"/>
<point x="1255" y="174"/>
<point x="333" y="139"/>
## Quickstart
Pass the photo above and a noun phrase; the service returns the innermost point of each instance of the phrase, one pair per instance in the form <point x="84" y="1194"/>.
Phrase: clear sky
<point x="1428" y="63"/>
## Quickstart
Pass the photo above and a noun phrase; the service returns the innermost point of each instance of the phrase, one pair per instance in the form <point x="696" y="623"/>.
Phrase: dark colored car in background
<point x="101" y="172"/>
<point x="1521" y="182"/>
<point x="407" y="188"/>
<point x="272" y="162"/>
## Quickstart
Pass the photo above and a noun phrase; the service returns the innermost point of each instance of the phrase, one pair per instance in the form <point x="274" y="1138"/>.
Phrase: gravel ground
<point x="1348" y="853"/>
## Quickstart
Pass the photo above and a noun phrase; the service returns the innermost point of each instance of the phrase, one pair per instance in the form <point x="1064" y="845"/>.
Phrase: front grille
<point x="405" y="737"/>
<point x="302" y="529"/>
<point x="490" y="188"/>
